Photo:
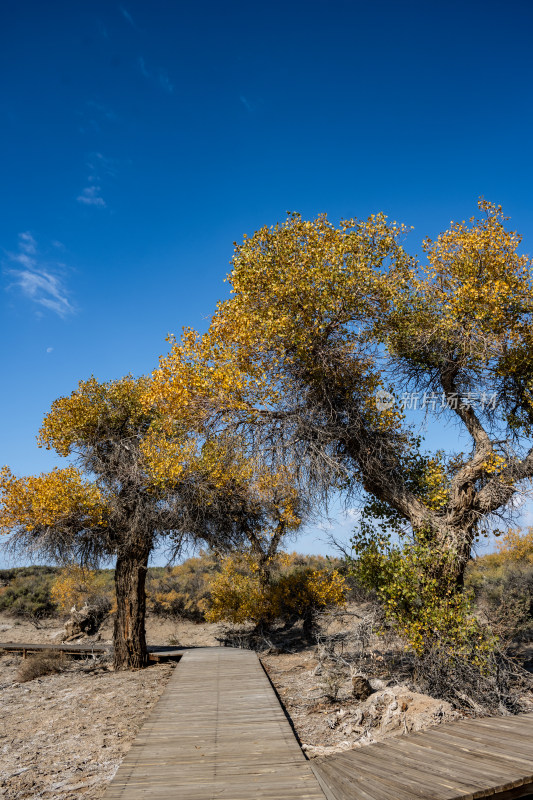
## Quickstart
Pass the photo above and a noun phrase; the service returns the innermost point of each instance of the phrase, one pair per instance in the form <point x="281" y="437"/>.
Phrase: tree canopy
<point x="138" y="477"/>
<point x="329" y="328"/>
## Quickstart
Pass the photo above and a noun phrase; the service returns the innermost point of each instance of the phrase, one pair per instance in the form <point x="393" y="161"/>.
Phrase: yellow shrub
<point x="182" y="591"/>
<point x="516" y="546"/>
<point x="75" y="586"/>
<point x="237" y="594"/>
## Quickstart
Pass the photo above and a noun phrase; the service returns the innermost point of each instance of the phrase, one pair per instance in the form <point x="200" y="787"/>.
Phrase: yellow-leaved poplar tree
<point x="331" y="333"/>
<point x="139" y="476"/>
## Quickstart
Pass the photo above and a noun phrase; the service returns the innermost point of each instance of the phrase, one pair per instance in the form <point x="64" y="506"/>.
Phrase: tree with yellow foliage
<point x="138" y="477"/>
<point x="516" y="545"/>
<point x="327" y="330"/>
<point x="75" y="586"/>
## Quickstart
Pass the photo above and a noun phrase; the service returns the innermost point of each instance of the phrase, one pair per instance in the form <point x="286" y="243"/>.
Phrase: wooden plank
<point x="218" y="729"/>
<point x="37" y="648"/>
<point x="385" y="786"/>
<point x="156" y="653"/>
<point x="508" y="750"/>
<point x="352" y="787"/>
<point x="525" y="791"/>
<point x="482" y="776"/>
<point x="414" y="778"/>
<point x="464" y="759"/>
<point x="326" y="785"/>
<point x="484" y="762"/>
<point x="498" y="748"/>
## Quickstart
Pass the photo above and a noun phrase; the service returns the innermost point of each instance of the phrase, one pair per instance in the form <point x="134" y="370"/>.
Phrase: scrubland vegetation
<point x="447" y="651"/>
<point x="202" y="588"/>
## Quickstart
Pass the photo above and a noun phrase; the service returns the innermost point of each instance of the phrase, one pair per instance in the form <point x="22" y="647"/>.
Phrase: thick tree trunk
<point x="129" y="638"/>
<point x="460" y="545"/>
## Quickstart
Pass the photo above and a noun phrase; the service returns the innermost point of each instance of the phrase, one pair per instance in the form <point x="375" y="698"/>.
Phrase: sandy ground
<point x="63" y="736"/>
<point x="325" y="727"/>
<point x="158" y="631"/>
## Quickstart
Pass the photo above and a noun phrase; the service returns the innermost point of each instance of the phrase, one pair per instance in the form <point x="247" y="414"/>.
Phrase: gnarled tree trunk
<point x="129" y="637"/>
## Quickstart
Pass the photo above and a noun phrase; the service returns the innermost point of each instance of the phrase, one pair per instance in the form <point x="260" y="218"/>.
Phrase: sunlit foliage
<point x="51" y="499"/>
<point x="182" y="591"/>
<point x="420" y="597"/>
<point x="293" y="592"/>
<point x="516" y="545"/>
<point x="322" y="319"/>
<point x="140" y="475"/>
<point x="75" y="586"/>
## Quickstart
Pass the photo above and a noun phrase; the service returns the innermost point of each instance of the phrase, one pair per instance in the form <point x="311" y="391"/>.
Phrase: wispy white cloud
<point x="99" y="168"/>
<point x="245" y="103"/>
<point x="98" y="164"/>
<point x="27" y="243"/>
<point x="91" y="196"/>
<point x="38" y="280"/>
<point x="127" y="16"/>
<point x="159" y="76"/>
<point x="49" y="349"/>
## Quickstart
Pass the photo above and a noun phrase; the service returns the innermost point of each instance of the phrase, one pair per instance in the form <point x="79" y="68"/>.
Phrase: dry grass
<point x="39" y="665"/>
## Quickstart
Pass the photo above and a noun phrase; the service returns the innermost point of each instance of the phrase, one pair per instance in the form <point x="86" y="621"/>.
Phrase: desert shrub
<point x="8" y="575"/>
<point x="497" y="688"/>
<point x="450" y="652"/>
<point x="294" y="591"/>
<point x="503" y="590"/>
<point x="185" y="590"/>
<point x="420" y="597"/>
<point x="331" y="680"/>
<point x="302" y="593"/>
<point x="26" y="592"/>
<point x="237" y="595"/>
<point x="39" y="665"/>
<point x="76" y="586"/>
<point x="182" y="591"/>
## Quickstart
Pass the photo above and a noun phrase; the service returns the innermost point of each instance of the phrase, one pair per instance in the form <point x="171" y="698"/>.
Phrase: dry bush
<point x="25" y="592"/>
<point x="499" y="688"/>
<point x="331" y="681"/>
<point x="39" y="665"/>
<point x="504" y="596"/>
<point x="182" y="591"/>
<point x="368" y="647"/>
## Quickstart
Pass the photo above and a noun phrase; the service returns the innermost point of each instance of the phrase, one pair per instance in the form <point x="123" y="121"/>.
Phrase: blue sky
<point x="139" y="140"/>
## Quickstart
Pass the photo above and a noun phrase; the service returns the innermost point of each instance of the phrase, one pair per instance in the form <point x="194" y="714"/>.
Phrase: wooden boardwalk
<point x="217" y="731"/>
<point x="155" y="652"/>
<point x="490" y="757"/>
